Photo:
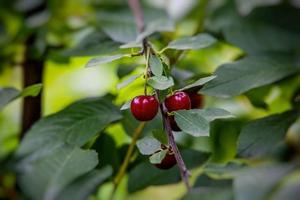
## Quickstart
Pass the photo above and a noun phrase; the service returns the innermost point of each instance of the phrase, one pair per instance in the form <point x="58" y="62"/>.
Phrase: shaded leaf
<point x="199" y="41"/>
<point x="128" y="81"/>
<point x="251" y="72"/>
<point x="157" y="157"/>
<point x="161" y="82"/>
<point x="156" y="65"/>
<point x="211" y="114"/>
<point x="76" y="124"/>
<point x="207" y="193"/>
<point x="199" y="82"/>
<point x="192" y="123"/>
<point x="82" y="187"/>
<point x="126" y="105"/>
<point x="7" y="95"/>
<point x="104" y="59"/>
<point x="47" y="176"/>
<point x="262" y="136"/>
<point x="148" y="145"/>
<point x="257" y="182"/>
<point x="160" y="136"/>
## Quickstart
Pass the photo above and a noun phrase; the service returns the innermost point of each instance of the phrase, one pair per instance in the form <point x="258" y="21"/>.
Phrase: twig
<point x="126" y="161"/>
<point x="136" y="9"/>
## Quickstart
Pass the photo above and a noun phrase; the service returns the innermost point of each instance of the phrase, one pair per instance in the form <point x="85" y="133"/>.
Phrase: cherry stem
<point x="139" y="18"/>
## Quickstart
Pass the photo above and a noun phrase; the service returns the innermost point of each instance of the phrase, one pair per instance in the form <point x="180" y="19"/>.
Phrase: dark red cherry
<point x="168" y="162"/>
<point x="173" y="124"/>
<point x="144" y="108"/>
<point x="178" y="101"/>
<point x="196" y="100"/>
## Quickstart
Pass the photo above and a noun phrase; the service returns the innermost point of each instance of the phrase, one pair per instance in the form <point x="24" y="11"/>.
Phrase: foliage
<point x="241" y="56"/>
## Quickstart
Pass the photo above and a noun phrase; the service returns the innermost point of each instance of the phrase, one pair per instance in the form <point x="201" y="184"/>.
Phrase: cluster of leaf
<point x="67" y="155"/>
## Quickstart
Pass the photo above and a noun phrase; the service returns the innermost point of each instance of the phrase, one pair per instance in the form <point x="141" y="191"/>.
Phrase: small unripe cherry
<point x="168" y="162"/>
<point x="178" y="101"/>
<point x="144" y="107"/>
<point x="196" y="100"/>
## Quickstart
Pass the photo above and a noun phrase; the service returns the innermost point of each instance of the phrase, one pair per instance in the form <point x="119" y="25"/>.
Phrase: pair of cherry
<point x="145" y="108"/>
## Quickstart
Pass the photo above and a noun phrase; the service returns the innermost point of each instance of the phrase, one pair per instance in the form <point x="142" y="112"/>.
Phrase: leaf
<point x="104" y="59"/>
<point x="76" y="124"/>
<point x="206" y="181"/>
<point x="127" y="81"/>
<point x="211" y="114"/>
<point x="32" y="90"/>
<point x="251" y="72"/>
<point x="288" y="191"/>
<point x="255" y="38"/>
<point x="94" y="43"/>
<point x="257" y="182"/>
<point x="192" y="123"/>
<point x="103" y="144"/>
<point x="199" y="41"/>
<point x="227" y="170"/>
<point x="148" y="145"/>
<point x="159" y="25"/>
<point x="156" y="65"/>
<point x="157" y="157"/>
<point x="126" y="105"/>
<point x="49" y="175"/>
<point x="160" y="136"/>
<point x="246" y="6"/>
<point x="262" y="136"/>
<point x="7" y="95"/>
<point x="154" y="177"/>
<point x="199" y="82"/>
<point x="161" y="82"/>
<point x="82" y="187"/>
<point x="207" y="193"/>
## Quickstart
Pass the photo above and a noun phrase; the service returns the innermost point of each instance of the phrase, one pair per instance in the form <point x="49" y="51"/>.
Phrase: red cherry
<point x="173" y="124"/>
<point x="196" y="100"/>
<point x="144" y="108"/>
<point x="168" y="162"/>
<point x="178" y="101"/>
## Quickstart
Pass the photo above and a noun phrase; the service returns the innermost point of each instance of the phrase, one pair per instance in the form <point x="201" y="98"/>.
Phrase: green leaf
<point x="32" y="90"/>
<point x="76" y="124"/>
<point x="160" y="136"/>
<point x="206" y="181"/>
<point x="159" y="25"/>
<point x="199" y="82"/>
<point x="93" y="44"/>
<point x="82" y="187"/>
<point x="161" y="82"/>
<point x="251" y="72"/>
<point x="104" y="59"/>
<point x="103" y="144"/>
<point x="192" y="123"/>
<point x="154" y="177"/>
<point x="211" y="114"/>
<point x="127" y="81"/>
<point x="7" y="95"/>
<point x="257" y="182"/>
<point x="257" y="38"/>
<point x="207" y="193"/>
<point x="157" y="157"/>
<point x="289" y="190"/>
<point x="148" y="145"/>
<point x="262" y="136"/>
<point x="199" y="41"/>
<point x="156" y="65"/>
<point x="49" y="175"/>
<point x="126" y="105"/>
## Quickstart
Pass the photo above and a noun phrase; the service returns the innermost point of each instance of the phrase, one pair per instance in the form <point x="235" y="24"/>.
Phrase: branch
<point x="139" y="18"/>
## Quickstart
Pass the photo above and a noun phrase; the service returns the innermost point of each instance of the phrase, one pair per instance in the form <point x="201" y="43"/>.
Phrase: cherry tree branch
<point x="139" y="18"/>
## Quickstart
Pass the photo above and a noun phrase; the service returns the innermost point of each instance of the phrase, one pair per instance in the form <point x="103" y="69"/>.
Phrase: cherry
<point x="178" y="101"/>
<point x="173" y="124"/>
<point x="144" y="107"/>
<point x="196" y="100"/>
<point x="168" y="162"/>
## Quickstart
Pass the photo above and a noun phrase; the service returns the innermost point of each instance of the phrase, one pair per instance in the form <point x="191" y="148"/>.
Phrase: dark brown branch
<point x="139" y="18"/>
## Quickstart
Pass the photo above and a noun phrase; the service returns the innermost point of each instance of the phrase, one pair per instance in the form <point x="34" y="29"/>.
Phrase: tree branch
<point x="139" y="18"/>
